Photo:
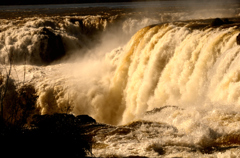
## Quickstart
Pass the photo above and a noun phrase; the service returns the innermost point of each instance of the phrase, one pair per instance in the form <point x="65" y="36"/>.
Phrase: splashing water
<point x="165" y="64"/>
<point x="171" y="88"/>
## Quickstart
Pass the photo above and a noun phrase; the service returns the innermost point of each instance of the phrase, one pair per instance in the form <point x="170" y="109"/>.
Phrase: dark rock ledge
<point x="238" y="39"/>
<point x="58" y="135"/>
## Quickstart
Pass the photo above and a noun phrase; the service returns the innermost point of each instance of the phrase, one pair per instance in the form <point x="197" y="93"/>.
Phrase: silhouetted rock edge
<point x="49" y="135"/>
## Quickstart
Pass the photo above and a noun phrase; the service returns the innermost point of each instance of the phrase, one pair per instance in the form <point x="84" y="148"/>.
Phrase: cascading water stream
<point x="171" y="65"/>
<point x="158" y="83"/>
<point x="165" y="64"/>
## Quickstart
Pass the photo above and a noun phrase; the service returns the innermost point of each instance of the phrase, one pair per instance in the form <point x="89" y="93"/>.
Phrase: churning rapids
<point x="167" y="83"/>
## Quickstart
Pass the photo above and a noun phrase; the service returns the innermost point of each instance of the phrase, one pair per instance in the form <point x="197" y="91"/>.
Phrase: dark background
<point x="27" y="2"/>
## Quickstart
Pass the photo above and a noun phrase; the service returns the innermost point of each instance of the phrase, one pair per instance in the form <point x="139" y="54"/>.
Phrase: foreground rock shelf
<point x="49" y="135"/>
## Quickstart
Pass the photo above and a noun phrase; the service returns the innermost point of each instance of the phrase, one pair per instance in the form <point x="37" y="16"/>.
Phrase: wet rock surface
<point x="75" y="136"/>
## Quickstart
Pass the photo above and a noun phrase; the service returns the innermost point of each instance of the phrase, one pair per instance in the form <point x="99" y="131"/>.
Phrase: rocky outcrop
<point x="238" y="39"/>
<point x="61" y="121"/>
<point x="58" y="135"/>
<point x="51" y="46"/>
<point x="218" y="22"/>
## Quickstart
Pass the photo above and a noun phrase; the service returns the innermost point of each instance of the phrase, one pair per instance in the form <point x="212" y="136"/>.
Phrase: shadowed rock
<point x="58" y="135"/>
<point x="51" y="46"/>
<point x="61" y="121"/>
<point x="217" y="22"/>
<point x="238" y="39"/>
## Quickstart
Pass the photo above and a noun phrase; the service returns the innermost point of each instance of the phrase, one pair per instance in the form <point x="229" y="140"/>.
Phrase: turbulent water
<point x="168" y="81"/>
